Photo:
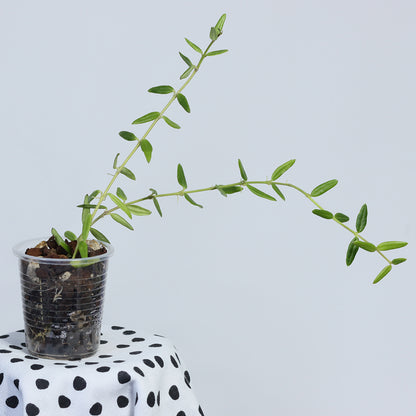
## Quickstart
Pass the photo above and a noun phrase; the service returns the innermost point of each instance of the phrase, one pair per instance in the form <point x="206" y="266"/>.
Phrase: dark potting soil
<point x="62" y="304"/>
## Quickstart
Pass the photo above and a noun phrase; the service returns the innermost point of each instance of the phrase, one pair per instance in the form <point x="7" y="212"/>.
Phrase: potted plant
<point x="63" y="276"/>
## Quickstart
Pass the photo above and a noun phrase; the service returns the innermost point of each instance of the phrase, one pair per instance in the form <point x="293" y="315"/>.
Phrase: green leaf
<point x="99" y="235"/>
<point x="147" y="117"/>
<point x="323" y="214"/>
<point x="341" y="217"/>
<point x="139" y="211"/>
<point x="183" y="102"/>
<point x="398" y="260"/>
<point x="391" y="245"/>
<point x="161" y="89"/>
<point x="187" y="73"/>
<point x="214" y="33"/>
<point x="171" y="123"/>
<point x="366" y="246"/>
<point x="120" y="193"/>
<point x="91" y="206"/>
<point x="85" y="210"/>
<point x="181" y="177"/>
<point x="260" y="193"/>
<point x="323" y="187"/>
<point x="191" y="201"/>
<point x="361" y="221"/>
<point x="126" y="135"/>
<point x="120" y="204"/>
<point x="70" y="235"/>
<point x="127" y="172"/>
<point x="242" y="170"/>
<point x="351" y="251"/>
<point x="83" y="249"/>
<point x="121" y="220"/>
<point x="60" y="241"/>
<point x="279" y="171"/>
<point x="193" y="46"/>
<point x="220" y="23"/>
<point x="147" y="149"/>
<point x="278" y="191"/>
<point x="115" y="161"/>
<point x="382" y="274"/>
<point x="230" y="189"/>
<point x="157" y="206"/>
<point x="219" y="52"/>
<point x="93" y="195"/>
<point x="186" y="59"/>
<point x="86" y="225"/>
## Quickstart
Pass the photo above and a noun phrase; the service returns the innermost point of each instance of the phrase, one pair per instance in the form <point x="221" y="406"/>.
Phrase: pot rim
<point x="20" y="248"/>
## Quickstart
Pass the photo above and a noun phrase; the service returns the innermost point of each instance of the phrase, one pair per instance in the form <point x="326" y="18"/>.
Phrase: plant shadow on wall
<point x="103" y="203"/>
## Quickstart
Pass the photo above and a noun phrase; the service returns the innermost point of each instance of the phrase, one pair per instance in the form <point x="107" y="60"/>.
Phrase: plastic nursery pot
<point x="62" y="302"/>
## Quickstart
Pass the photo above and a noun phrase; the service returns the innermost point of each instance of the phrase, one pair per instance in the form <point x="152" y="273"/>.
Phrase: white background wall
<point x="255" y="294"/>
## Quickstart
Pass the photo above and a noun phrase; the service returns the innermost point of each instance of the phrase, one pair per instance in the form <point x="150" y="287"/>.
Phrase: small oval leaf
<point x="91" y="206"/>
<point x="147" y="117"/>
<point x="220" y="23"/>
<point x="115" y="161"/>
<point x="147" y="149"/>
<point x="181" y="177"/>
<point x="161" y="89"/>
<point x="351" y="251"/>
<point x="219" y="52"/>
<point x="171" y="123"/>
<point x="323" y="214"/>
<point x="83" y="249"/>
<point x="121" y="220"/>
<point x="341" y="217"/>
<point x="183" y="102"/>
<point x="93" y="195"/>
<point x="70" y="235"/>
<point x="193" y="46"/>
<point x="214" y="33"/>
<point x="186" y="73"/>
<point x="126" y="135"/>
<point x="99" y="235"/>
<point x="60" y="241"/>
<point x="279" y="171"/>
<point x="366" y="246"/>
<point x="139" y="211"/>
<point x="382" y="274"/>
<point x="120" y="204"/>
<point x="278" y="191"/>
<point x="391" y="245"/>
<point x="260" y="193"/>
<point x="230" y="189"/>
<point x="157" y="206"/>
<point x="361" y="221"/>
<point x="398" y="260"/>
<point x="191" y="201"/>
<point x="323" y="187"/>
<point x="120" y="193"/>
<point x="186" y="59"/>
<point x="127" y="172"/>
<point x="242" y="170"/>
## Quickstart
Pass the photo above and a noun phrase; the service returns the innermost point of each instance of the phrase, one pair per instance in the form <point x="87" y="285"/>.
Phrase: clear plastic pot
<point x="62" y="302"/>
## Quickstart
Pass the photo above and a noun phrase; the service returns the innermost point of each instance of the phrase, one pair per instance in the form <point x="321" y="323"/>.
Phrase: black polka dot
<point x="187" y="378"/>
<point x="200" y="411"/>
<point x="174" y="362"/>
<point x="177" y="357"/>
<point x="122" y="401"/>
<point x="32" y="410"/>
<point x="137" y="370"/>
<point x="123" y="377"/>
<point x="123" y="346"/>
<point x="4" y="336"/>
<point x="12" y="402"/>
<point x="36" y="366"/>
<point x="60" y="363"/>
<point x="174" y="392"/>
<point x="151" y="399"/>
<point x="21" y="330"/>
<point x="159" y="361"/>
<point x="15" y="347"/>
<point x="16" y="383"/>
<point x="118" y="361"/>
<point x="102" y="342"/>
<point x="23" y="344"/>
<point x="64" y="402"/>
<point x="30" y="357"/>
<point x="91" y="362"/>
<point x="71" y="366"/>
<point x="74" y="359"/>
<point x="1" y="378"/>
<point x="103" y="369"/>
<point x="129" y="332"/>
<point x="181" y="413"/>
<point x="16" y="360"/>
<point x="79" y="383"/>
<point x="105" y="356"/>
<point x="155" y="345"/>
<point x="42" y="384"/>
<point x="149" y="363"/>
<point x="138" y="340"/>
<point x="135" y="352"/>
<point x="5" y="352"/>
<point x="96" y="409"/>
<point x="116" y="328"/>
<point x="136" y="399"/>
<point x="158" y="398"/>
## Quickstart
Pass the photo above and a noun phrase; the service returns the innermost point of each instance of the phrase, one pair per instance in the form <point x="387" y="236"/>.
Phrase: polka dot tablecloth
<point x="132" y="374"/>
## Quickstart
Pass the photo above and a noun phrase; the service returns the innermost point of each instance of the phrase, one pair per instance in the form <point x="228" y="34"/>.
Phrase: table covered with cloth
<point x="132" y="374"/>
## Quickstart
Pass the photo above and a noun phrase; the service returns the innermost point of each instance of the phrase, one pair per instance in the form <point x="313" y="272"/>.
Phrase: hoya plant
<point x="114" y="203"/>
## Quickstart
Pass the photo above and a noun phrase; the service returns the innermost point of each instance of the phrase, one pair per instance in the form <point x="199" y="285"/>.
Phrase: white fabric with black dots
<point x="131" y="374"/>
